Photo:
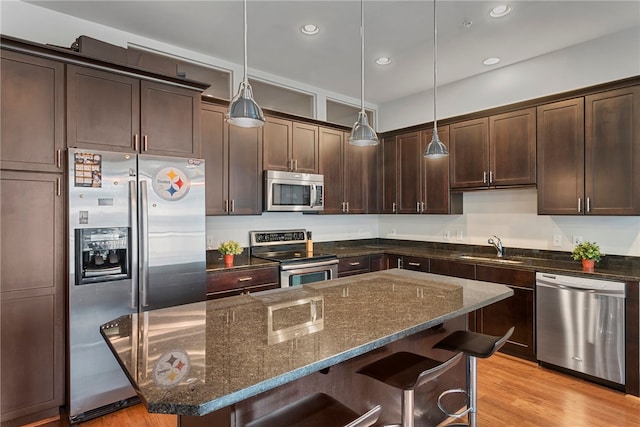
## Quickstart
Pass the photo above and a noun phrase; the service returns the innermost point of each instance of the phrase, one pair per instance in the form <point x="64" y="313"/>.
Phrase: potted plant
<point x="589" y="253"/>
<point x="228" y="249"/>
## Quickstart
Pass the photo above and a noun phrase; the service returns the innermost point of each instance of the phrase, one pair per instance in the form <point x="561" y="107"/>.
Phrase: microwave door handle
<point x="313" y="195"/>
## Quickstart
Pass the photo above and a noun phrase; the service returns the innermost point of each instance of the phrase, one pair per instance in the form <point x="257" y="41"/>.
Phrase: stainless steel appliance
<point x="136" y="243"/>
<point x="297" y="266"/>
<point x="580" y="325"/>
<point x="293" y="192"/>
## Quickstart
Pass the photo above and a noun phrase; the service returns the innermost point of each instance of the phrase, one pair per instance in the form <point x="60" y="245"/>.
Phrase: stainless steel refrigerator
<point x="136" y="243"/>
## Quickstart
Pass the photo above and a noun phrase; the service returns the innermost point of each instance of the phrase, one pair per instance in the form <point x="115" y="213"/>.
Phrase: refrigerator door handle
<point x="133" y="220"/>
<point x="144" y="244"/>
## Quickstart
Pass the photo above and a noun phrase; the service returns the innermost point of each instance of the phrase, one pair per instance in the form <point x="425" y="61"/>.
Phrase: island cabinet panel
<point x="612" y="152"/>
<point x="452" y="268"/>
<point x="517" y="311"/>
<point x="32" y="295"/>
<point x="469" y="155"/>
<point x="233" y="162"/>
<point x="114" y="112"/>
<point x="31" y="113"/>
<point x="415" y="263"/>
<point x="351" y="266"/>
<point x="236" y="282"/>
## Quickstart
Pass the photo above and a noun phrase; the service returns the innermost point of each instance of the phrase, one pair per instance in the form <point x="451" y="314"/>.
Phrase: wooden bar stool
<point x="317" y="410"/>
<point x="407" y="371"/>
<point x="473" y="345"/>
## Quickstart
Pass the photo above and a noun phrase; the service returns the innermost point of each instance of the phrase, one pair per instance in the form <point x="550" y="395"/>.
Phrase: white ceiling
<point x="402" y="30"/>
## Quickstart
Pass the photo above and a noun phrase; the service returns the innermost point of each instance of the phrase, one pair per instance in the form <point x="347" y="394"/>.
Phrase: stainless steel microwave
<point x="293" y="192"/>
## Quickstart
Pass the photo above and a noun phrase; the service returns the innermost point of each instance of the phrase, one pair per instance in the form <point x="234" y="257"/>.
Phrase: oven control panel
<point x="277" y="237"/>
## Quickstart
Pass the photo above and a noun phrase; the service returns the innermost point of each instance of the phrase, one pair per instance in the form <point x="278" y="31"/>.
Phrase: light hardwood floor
<point x="511" y="392"/>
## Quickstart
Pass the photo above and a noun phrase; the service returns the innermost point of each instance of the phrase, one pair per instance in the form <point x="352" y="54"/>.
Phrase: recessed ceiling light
<point x="500" y="11"/>
<point x="491" y="61"/>
<point x="310" y="29"/>
<point x="383" y="60"/>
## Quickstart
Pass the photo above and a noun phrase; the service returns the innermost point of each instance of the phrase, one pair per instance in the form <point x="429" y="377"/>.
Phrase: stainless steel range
<point x="297" y="265"/>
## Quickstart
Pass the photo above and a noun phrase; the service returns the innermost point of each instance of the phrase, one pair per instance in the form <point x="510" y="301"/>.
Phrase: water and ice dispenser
<point x="102" y="254"/>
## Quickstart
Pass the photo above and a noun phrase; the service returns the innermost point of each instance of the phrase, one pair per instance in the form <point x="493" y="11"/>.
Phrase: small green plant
<point x="587" y="250"/>
<point x="230" y="247"/>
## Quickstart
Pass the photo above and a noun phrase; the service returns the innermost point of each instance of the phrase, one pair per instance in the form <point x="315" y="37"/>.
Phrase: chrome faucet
<point x="497" y="243"/>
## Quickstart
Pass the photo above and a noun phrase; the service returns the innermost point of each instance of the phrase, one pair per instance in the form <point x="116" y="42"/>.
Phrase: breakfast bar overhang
<point x="241" y="357"/>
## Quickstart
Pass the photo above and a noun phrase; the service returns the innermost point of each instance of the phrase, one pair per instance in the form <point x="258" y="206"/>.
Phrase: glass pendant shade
<point x="436" y="148"/>
<point x="362" y="134"/>
<point x="243" y="110"/>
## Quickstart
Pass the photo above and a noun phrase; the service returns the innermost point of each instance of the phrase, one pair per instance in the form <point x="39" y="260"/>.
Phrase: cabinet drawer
<point x="453" y="268"/>
<point x="354" y="265"/>
<point x="241" y="279"/>
<point x="415" y="263"/>
<point x="506" y="276"/>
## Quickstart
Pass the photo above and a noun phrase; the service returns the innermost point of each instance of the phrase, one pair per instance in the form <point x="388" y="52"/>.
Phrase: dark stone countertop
<point x="196" y="358"/>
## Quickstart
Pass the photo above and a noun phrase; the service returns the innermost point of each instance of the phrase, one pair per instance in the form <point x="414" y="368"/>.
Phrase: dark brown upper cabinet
<point x="494" y="151"/>
<point x="436" y="197"/>
<point x="349" y="174"/>
<point x="233" y="162"/>
<point x="114" y="112"/>
<point x="589" y="155"/>
<point x="32" y="113"/>
<point x="290" y="146"/>
<point x="389" y="176"/>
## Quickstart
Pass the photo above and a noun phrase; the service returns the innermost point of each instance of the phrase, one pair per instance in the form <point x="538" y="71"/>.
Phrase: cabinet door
<point x="469" y="155"/>
<point x="351" y="266"/>
<point x="277" y="144"/>
<point x="31" y="113"/>
<point x="452" y="268"/>
<point x="435" y="180"/>
<point x="245" y="171"/>
<point x="373" y="162"/>
<point x="213" y="135"/>
<point x="170" y="120"/>
<point x="330" y="165"/>
<point x="103" y="110"/>
<point x="305" y="148"/>
<point x="512" y="145"/>
<point x="415" y="263"/>
<point x="560" y="149"/>
<point x="612" y="152"/>
<point x="32" y="284"/>
<point x="355" y="178"/>
<point x="409" y="161"/>
<point x="389" y="175"/>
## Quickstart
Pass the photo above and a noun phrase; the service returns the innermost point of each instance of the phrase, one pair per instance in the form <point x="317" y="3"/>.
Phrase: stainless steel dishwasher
<point x="580" y="325"/>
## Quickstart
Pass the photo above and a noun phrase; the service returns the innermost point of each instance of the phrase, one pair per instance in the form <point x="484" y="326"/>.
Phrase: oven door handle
<point x="287" y="267"/>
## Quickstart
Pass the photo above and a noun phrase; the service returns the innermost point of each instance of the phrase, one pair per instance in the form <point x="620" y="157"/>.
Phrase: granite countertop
<point x="196" y="358"/>
<point x="611" y="267"/>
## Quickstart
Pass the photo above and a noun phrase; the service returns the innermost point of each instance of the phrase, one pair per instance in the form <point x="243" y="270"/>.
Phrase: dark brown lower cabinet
<point x="415" y="263"/>
<point x="517" y="311"/>
<point x="353" y="265"/>
<point x="235" y="282"/>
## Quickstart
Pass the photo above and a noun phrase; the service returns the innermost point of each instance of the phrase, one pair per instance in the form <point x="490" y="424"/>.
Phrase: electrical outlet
<point x="576" y="240"/>
<point x="392" y="232"/>
<point x="557" y="240"/>
<point x="447" y="235"/>
<point x="459" y="235"/>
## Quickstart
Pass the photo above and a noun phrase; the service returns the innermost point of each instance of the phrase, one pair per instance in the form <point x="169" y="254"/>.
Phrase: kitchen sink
<point x="491" y="259"/>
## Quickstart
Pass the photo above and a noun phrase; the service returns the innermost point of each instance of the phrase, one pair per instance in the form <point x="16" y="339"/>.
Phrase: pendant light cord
<point x="435" y="70"/>
<point x="362" y="56"/>
<point x="245" y="40"/>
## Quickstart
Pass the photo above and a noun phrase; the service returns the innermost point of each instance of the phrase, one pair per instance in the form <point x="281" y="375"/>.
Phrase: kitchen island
<point x="240" y="357"/>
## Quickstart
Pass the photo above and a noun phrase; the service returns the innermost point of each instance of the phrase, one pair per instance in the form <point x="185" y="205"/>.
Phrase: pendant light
<point x="243" y="110"/>
<point x="436" y="148"/>
<point x="362" y="134"/>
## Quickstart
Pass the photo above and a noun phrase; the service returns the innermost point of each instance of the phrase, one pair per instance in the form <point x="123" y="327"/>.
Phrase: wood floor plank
<point x="511" y="392"/>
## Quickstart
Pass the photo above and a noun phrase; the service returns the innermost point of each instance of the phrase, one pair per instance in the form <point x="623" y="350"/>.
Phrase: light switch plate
<point x="576" y="240"/>
<point x="557" y="240"/>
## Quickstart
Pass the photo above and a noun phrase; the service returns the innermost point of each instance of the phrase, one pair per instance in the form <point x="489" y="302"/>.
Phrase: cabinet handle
<point x="394" y="207"/>
<point x="347" y="207"/>
<point x="421" y="207"/>
<point x="135" y="142"/>
<point x="588" y="204"/>
<point x="59" y="158"/>
<point x="290" y="164"/>
<point x="226" y="205"/>
<point x="144" y="143"/>
<point x="490" y="177"/>
<point x="484" y="177"/>
<point x="58" y="187"/>
<point x="353" y="264"/>
<point x="415" y="264"/>
<point x="232" y="205"/>
<point x="579" y="204"/>
<point x="295" y="165"/>
<point x="245" y="279"/>
<point x="418" y="207"/>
